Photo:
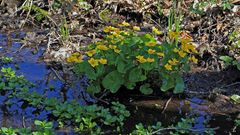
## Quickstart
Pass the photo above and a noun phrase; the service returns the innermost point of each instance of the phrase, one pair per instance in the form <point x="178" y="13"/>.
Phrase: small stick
<point x="23" y="122"/>
<point x="166" y="105"/>
<point x="58" y="76"/>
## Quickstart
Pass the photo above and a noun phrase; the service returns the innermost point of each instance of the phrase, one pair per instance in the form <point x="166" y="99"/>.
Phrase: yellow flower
<point x="117" y="50"/>
<point x="185" y="40"/>
<point x="108" y="29"/>
<point x="150" y="60"/>
<point x="91" y="53"/>
<point x="194" y="50"/>
<point x="151" y="43"/>
<point x="168" y="67"/>
<point x="173" y="35"/>
<point x="102" y="61"/>
<point x="112" y="46"/>
<point x="175" y="50"/>
<point x="173" y="61"/>
<point x="116" y="34"/>
<point x="110" y="36"/>
<point x="182" y="54"/>
<point x="124" y="24"/>
<point x="156" y="31"/>
<point x="151" y="51"/>
<point x="193" y="59"/>
<point x="93" y="62"/>
<point x="136" y="28"/>
<point x="98" y="43"/>
<point x="102" y="47"/>
<point x="187" y="47"/>
<point x="75" y="57"/>
<point x="141" y="59"/>
<point x="113" y="41"/>
<point x="76" y="54"/>
<point x="160" y="54"/>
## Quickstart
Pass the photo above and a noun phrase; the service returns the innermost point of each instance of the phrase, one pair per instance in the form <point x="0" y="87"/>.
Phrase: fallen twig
<point x="57" y="75"/>
<point x="166" y="105"/>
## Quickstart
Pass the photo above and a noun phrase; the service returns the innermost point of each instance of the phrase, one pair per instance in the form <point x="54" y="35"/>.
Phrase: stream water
<point x="43" y="75"/>
<point x="34" y="69"/>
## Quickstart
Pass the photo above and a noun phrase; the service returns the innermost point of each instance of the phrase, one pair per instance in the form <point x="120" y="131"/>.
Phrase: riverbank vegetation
<point x="137" y="67"/>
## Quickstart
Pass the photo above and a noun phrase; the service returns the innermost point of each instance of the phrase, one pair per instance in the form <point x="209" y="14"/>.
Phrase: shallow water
<point x="34" y="69"/>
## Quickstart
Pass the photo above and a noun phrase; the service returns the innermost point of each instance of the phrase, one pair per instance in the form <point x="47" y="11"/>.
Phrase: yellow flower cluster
<point x="112" y="46"/>
<point x="115" y="49"/>
<point x="193" y="59"/>
<point x="91" y="53"/>
<point x="187" y="46"/>
<point x="168" y="66"/>
<point x="160" y="54"/>
<point x="141" y="59"/>
<point x="124" y="24"/>
<point x="102" y="47"/>
<point x="173" y="35"/>
<point x="151" y="43"/>
<point x="150" y="60"/>
<point x="95" y="62"/>
<point x="156" y="31"/>
<point x="108" y="29"/>
<point x="102" y="61"/>
<point x="151" y="51"/>
<point x="75" y="57"/>
<point x="136" y="28"/>
<point x="171" y="63"/>
<point x="182" y="54"/>
<point x="116" y="35"/>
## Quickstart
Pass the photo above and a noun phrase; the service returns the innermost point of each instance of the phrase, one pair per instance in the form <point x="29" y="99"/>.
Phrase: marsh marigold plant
<point x="124" y="58"/>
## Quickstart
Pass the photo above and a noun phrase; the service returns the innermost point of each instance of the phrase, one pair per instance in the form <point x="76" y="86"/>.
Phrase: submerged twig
<point x="101" y="100"/>
<point x="229" y="85"/>
<point x="24" y="122"/>
<point x="58" y="76"/>
<point x="104" y="94"/>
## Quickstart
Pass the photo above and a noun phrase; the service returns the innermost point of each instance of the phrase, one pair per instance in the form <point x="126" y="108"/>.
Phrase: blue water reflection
<point x="35" y="70"/>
